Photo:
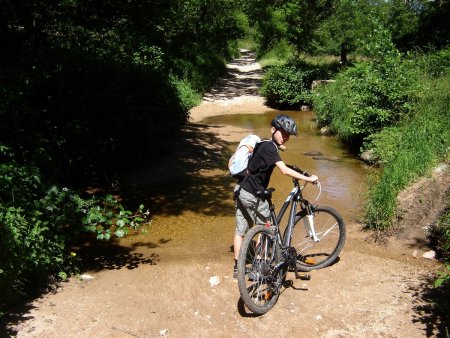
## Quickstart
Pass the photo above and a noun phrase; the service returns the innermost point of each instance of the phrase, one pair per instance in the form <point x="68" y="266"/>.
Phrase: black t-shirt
<point x="261" y="166"/>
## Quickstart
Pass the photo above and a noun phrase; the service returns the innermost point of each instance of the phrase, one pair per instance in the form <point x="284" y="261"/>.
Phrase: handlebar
<point x="297" y="169"/>
<point x="305" y="173"/>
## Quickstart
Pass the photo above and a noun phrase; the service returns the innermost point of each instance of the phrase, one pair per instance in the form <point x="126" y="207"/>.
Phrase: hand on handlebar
<point x="313" y="179"/>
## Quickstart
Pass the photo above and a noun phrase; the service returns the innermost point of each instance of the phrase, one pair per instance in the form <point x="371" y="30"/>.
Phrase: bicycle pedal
<point x="304" y="276"/>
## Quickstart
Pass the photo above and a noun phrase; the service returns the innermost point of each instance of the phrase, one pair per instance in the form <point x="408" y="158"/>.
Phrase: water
<point x="342" y="176"/>
<point x="193" y="215"/>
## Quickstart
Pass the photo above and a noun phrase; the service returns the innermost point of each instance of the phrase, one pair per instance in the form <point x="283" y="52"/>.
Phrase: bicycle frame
<point x="294" y="198"/>
<point x="269" y="254"/>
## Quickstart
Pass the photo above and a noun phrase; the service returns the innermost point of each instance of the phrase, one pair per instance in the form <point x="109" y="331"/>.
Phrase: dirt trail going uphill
<point x="158" y="284"/>
<point x="236" y="92"/>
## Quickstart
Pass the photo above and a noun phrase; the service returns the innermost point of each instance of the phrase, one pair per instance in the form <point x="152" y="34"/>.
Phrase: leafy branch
<point x="108" y="217"/>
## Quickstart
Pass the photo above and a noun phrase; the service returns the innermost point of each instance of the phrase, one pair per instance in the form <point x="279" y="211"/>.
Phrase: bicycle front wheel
<point x="259" y="283"/>
<point x="316" y="253"/>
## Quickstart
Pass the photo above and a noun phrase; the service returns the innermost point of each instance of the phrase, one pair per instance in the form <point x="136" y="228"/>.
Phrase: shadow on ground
<point x="238" y="81"/>
<point x="193" y="177"/>
<point x="100" y="255"/>
<point x="432" y="308"/>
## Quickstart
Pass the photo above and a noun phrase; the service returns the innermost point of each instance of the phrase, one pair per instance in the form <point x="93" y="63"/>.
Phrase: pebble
<point x="86" y="277"/>
<point x="429" y="254"/>
<point x="164" y="332"/>
<point x="214" y="280"/>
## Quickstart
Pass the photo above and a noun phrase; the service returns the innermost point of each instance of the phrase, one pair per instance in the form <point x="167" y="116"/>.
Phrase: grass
<point x="277" y="56"/>
<point x="420" y="144"/>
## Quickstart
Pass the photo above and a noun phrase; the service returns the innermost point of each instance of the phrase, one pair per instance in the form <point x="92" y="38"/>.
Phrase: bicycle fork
<point x="308" y="221"/>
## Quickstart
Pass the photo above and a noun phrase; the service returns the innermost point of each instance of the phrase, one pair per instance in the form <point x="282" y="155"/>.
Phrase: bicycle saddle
<point x="266" y="194"/>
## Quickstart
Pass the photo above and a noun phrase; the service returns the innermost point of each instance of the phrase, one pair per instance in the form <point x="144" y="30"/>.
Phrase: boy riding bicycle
<point x="249" y="208"/>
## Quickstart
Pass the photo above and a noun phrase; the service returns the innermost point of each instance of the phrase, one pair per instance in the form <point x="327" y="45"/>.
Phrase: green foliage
<point x="433" y="30"/>
<point x="370" y="96"/>
<point x="187" y="95"/>
<point x="443" y="277"/>
<point x="440" y="239"/>
<point x="279" y="55"/>
<point x="269" y="21"/>
<point x="416" y="144"/>
<point x="106" y="216"/>
<point x="288" y="86"/>
<point x="194" y="72"/>
<point x="89" y="90"/>
<point x="441" y="234"/>
<point x="39" y="225"/>
<point x="433" y="64"/>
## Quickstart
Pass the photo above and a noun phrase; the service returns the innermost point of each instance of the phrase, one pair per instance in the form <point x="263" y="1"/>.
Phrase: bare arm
<point x="292" y="173"/>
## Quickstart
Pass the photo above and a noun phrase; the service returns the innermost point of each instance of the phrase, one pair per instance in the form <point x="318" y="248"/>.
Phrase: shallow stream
<point x="342" y="176"/>
<point x="193" y="215"/>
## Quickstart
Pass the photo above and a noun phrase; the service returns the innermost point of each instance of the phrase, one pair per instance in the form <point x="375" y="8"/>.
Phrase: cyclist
<point x="249" y="208"/>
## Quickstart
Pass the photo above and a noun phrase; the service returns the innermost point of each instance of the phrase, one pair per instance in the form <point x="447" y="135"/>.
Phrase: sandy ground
<point x="150" y="286"/>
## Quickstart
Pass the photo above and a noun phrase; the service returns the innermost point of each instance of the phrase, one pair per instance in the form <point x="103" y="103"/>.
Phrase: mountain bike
<point x="313" y="238"/>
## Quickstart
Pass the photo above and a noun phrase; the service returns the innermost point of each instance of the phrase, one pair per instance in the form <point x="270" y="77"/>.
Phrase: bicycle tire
<point x="330" y="229"/>
<point x="259" y="253"/>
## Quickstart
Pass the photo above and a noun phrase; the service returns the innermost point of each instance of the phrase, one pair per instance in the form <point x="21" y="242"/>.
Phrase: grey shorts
<point x="246" y="212"/>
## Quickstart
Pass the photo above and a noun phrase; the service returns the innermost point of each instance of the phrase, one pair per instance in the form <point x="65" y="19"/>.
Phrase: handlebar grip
<point x="297" y="169"/>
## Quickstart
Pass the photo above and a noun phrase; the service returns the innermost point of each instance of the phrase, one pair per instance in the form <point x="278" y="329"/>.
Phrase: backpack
<point x="237" y="165"/>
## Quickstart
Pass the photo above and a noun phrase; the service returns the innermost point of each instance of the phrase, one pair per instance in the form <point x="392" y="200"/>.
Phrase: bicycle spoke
<point x="329" y="229"/>
<point x="258" y="283"/>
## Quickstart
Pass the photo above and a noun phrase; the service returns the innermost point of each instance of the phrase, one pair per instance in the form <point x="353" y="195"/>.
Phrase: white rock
<point x="163" y="332"/>
<point x="325" y="130"/>
<point x="214" y="280"/>
<point x="86" y="277"/>
<point x="318" y="317"/>
<point x="429" y="254"/>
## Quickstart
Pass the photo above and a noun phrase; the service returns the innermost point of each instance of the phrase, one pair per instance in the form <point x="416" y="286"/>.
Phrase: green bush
<point x="441" y="241"/>
<point x="186" y="94"/>
<point x="367" y="98"/>
<point x="288" y="86"/>
<point x="40" y="223"/>
<point x="279" y="55"/>
<point x="372" y="95"/>
<point x="434" y="64"/>
<point x="409" y="150"/>
<point x="441" y="233"/>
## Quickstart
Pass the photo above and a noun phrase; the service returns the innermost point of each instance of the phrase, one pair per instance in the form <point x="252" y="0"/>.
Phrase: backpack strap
<point x="238" y="191"/>
<point x="248" y="174"/>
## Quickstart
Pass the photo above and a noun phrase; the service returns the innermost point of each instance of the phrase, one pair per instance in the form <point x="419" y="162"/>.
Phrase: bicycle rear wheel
<point x="259" y="285"/>
<point x="330" y="230"/>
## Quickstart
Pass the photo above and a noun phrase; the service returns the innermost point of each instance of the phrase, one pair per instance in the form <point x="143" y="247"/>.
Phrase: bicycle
<point x="265" y="256"/>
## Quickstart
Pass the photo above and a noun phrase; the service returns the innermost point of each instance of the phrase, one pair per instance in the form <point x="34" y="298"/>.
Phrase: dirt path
<point x="158" y="284"/>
